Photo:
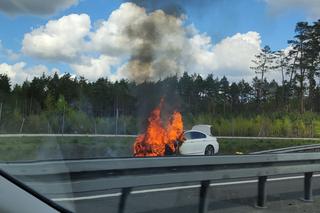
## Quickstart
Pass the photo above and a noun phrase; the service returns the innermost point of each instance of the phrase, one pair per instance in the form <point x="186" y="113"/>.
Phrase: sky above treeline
<point x="144" y="39"/>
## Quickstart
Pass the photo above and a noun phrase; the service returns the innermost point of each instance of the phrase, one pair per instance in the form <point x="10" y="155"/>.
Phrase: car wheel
<point x="209" y="150"/>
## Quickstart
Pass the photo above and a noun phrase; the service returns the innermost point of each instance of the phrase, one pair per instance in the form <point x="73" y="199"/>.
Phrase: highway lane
<point x="227" y="196"/>
<point x="237" y="196"/>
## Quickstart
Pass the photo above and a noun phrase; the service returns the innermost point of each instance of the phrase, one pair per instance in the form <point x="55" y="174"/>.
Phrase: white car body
<point x="198" y="141"/>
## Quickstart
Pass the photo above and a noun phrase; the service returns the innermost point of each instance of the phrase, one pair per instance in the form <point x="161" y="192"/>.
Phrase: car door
<point x="194" y="145"/>
<point x="198" y="142"/>
<point x="188" y="146"/>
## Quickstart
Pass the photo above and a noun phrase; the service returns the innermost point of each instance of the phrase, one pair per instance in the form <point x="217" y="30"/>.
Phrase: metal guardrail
<point x="128" y="173"/>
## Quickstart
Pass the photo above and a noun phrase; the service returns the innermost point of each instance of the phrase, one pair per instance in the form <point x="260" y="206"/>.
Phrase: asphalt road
<point x="228" y="196"/>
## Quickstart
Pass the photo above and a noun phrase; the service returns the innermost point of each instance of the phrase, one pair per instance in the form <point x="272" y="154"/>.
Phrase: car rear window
<point x="194" y="135"/>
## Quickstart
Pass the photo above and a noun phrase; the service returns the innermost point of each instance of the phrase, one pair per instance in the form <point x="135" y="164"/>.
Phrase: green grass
<point x="245" y="146"/>
<point x="43" y="148"/>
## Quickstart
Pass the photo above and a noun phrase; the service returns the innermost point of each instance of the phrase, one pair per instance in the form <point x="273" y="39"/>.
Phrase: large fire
<point x="158" y="137"/>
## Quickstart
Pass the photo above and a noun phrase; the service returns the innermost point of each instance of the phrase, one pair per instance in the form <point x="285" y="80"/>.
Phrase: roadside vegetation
<point x="305" y="125"/>
<point x="287" y="107"/>
<point x="55" y="148"/>
<point x="46" y="148"/>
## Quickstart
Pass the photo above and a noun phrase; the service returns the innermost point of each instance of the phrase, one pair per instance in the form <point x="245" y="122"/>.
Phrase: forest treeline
<point x="289" y="106"/>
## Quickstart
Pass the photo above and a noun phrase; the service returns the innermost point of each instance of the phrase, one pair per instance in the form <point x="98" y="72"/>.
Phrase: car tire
<point x="209" y="151"/>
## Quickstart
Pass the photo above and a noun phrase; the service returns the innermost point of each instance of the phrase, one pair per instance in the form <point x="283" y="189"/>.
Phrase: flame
<point x="157" y="136"/>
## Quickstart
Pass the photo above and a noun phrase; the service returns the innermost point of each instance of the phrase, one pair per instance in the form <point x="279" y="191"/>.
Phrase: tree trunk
<point x="282" y="73"/>
<point x="62" y="126"/>
<point x="30" y="106"/>
<point x="283" y="89"/>
<point x="21" y="127"/>
<point x="312" y="86"/>
<point x="301" y="103"/>
<point x="301" y="93"/>
<point x="0" y="111"/>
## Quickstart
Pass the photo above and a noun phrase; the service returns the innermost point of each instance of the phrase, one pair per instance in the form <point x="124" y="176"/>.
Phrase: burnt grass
<point x="83" y="147"/>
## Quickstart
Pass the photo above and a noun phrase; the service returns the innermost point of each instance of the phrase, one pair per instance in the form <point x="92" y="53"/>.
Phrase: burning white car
<point x="199" y="141"/>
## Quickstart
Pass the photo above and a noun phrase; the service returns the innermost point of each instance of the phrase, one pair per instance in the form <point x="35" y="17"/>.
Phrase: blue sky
<point x="217" y="20"/>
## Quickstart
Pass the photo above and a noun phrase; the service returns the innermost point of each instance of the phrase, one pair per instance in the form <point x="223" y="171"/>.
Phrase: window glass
<point x="187" y="135"/>
<point x="197" y="135"/>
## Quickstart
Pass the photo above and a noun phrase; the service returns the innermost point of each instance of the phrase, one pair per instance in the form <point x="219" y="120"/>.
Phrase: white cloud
<point x="111" y="36"/>
<point x="19" y="72"/>
<point x="140" y="46"/>
<point x="151" y="42"/>
<point x="61" y="39"/>
<point x="312" y="7"/>
<point x="233" y="55"/>
<point x="173" y="49"/>
<point x="130" y="26"/>
<point x="159" y="45"/>
<point x="15" y="72"/>
<point x="35" y="7"/>
<point x="8" y="53"/>
<point x="93" y="68"/>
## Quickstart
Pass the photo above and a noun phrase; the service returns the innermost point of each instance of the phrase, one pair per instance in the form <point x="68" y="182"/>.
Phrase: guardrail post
<point x="203" y="202"/>
<point x="262" y="193"/>
<point x="308" y="187"/>
<point x="124" y="195"/>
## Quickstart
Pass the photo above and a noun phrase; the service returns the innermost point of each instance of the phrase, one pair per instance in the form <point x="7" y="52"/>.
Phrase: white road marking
<point x="86" y="197"/>
<point x="174" y="188"/>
